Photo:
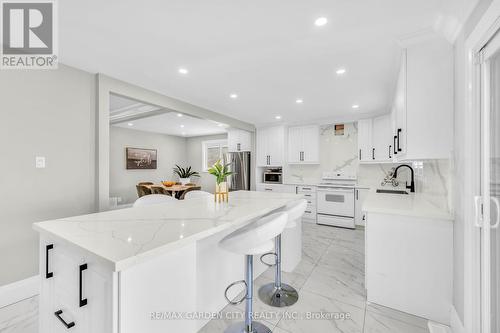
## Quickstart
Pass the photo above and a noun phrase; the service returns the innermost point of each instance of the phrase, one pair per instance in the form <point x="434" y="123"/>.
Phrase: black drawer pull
<point x="67" y="325"/>
<point x="373" y="153"/>
<point x="48" y="274"/>
<point x="360" y="154"/>
<point x="82" y="301"/>
<point x="395" y="150"/>
<point x="390" y="149"/>
<point x="399" y="139"/>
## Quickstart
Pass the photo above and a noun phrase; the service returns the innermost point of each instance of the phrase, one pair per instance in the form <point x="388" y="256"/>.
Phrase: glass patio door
<point x="490" y="231"/>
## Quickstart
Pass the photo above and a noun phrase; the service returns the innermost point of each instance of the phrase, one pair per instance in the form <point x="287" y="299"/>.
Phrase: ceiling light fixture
<point x="233" y="96"/>
<point x="321" y="21"/>
<point x="183" y="70"/>
<point x="182" y="126"/>
<point x="179" y="115"/>
<point x="130" y="124"/>
<point x="299" y="101"/>
<point x="220" y="125"/>
<point x="341" y="71"/>
<point x="355" y="106"/>
<point x="278" y="117"/>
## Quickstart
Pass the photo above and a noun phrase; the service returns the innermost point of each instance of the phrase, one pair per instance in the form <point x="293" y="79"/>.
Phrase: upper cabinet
<point x="239" y="140"/>
<point x="423" y="104"/>
<point x="420" y="125"/>
<point x="303" y="145"/>
<point x="270" y="146"/>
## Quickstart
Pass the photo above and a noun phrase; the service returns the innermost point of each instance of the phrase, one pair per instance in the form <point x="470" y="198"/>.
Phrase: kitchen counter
<point x="414" y="204"/>
<point x="126" y="237"/>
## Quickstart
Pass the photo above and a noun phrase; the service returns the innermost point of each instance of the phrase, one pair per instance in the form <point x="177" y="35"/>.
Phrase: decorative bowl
<point x="168" y="183"/>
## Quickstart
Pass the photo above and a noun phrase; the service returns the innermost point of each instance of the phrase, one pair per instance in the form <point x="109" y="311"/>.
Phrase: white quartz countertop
<point x="413" y="204"/>
<point x="129" y="236"/>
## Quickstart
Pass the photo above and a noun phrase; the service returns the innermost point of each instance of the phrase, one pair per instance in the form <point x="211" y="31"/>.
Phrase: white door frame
<point x="483" y="32"/>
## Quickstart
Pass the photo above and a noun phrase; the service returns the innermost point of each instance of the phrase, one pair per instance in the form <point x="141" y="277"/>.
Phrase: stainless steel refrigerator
<point x="240" y="165"/>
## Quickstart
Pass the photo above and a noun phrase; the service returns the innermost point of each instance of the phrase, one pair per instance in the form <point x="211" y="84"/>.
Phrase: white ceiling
<point x="268" y="52"/>
<point x="130" y="114"/>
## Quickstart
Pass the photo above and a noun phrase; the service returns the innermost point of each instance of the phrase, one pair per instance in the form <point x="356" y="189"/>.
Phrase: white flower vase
<point x="185" y="181"/>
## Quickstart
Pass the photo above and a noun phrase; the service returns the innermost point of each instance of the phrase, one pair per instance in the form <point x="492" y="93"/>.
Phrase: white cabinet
<point x="239" y="140"/>
<point x="270" y="146"/>
<point x="382" y="138"/>
<point x="280" y="188"/>
<point x="365" y="147"/>
<point x="76" y="291"/>
<point x="303" y="145"/>
<point x="423" y="103"/>
<point x="359" y="197"/>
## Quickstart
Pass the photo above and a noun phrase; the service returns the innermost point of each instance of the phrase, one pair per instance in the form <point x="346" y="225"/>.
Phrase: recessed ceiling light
<point x="299" y="101"/>
<point x="130" y="124"/>
<point x="341" y="71"/>
<point x="355" y="106"/>
<point x="179" y="115"/>
<point x="321" y="21"/>
<point x="182" y="126"/>
<point x="278" y="117"/>
<point x="233" y="96"/>
<point x="183" y="70"/>
<point x="220" y="125"/>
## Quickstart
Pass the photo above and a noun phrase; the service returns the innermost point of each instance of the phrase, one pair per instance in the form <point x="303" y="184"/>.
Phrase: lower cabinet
<point x="76" y="292"/>
<point x="309" y="193"/>
<point x="280" y="188"/>
<point x="359" y="197"/>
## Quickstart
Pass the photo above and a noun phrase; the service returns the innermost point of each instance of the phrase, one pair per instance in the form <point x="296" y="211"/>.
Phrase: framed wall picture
<point x="140" y="158"/>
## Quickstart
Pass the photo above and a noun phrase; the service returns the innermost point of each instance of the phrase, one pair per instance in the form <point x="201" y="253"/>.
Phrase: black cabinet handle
<point x="373" y="153"/>
<point x="395" y="150"/>
<point x="81" y="300"/>
<point x="390" y="149"/>
<point x="360" y="154"/>
<point x="48" y="274"/>
<point x="399" y="139"/>
<point x="357" y="194"/>
<point x="67" y="325"/>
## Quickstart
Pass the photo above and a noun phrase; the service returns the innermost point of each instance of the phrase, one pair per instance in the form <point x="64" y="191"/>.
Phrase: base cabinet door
<point x="359" y="197"/>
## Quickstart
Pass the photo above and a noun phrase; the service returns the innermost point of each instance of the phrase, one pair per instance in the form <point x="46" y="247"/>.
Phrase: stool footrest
<point x="232" y="285"/>
<point x="268" y="254"/>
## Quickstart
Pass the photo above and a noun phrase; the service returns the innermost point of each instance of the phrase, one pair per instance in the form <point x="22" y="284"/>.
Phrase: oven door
<point x="336" y="201"/>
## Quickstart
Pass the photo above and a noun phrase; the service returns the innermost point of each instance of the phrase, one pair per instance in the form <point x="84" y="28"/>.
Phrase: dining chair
<point x="142" y="190"/>
<point x="157" y="189"/>
<point x="153" y="199"/>
<point x="145" y="183"/>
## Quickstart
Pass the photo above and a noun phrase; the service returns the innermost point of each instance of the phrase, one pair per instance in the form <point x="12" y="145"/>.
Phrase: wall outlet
<point x="40" y="162"/>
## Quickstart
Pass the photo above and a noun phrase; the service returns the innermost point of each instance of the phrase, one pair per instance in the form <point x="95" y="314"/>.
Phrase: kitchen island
<point x="144" y="269"/>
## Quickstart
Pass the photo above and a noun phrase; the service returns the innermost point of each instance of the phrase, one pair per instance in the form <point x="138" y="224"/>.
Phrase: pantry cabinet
<point x="270" y="146"/>
<point x="239" y="140"/>
<point x="303" y="145"/>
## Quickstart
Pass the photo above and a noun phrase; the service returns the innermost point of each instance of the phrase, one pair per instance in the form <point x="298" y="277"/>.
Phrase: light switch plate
<point x="40" y="162"/>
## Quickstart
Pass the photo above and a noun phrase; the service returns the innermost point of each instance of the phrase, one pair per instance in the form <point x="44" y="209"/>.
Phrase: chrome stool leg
<point x="248" y="326"/>
<point x="278" y="294"/>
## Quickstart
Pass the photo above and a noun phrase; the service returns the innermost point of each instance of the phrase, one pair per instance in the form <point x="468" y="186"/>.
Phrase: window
<point x="213" y="151"/>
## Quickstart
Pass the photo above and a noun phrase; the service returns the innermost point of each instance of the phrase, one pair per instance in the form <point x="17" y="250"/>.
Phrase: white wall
<point x="195" y="159"/>
<point x="47" y="113"/>
<point x="171" y="151"/>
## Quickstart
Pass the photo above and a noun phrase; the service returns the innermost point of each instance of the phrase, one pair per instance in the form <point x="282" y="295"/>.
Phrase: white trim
<point x="437" y="328"/>
<point x="19" y="290"/>
<point x="218" y="143"/>
<point x="456" y="324"/>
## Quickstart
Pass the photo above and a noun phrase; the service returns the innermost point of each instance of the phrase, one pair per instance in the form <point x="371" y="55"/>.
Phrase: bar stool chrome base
<point x="278" y="297"/>
<point x="241" y="328"/>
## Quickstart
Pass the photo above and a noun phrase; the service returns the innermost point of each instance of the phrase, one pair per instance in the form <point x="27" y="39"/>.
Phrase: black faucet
<point x="412" y="184"/>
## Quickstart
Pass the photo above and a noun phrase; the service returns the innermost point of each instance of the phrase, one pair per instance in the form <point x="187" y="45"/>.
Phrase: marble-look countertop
<point x="129" y="236"/>
<point x="413" y="204"/>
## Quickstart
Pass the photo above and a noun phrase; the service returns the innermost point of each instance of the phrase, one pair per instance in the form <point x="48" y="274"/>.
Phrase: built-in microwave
<point x="273" y="176"/>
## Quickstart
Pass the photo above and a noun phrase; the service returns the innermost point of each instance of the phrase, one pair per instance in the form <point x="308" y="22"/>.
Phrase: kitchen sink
<point x="392" y="191"/>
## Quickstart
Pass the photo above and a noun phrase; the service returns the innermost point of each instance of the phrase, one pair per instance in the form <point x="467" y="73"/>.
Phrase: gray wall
<point x="195" y="159"/>
<point x="171" y="151"/>
<point x="460" y="158"/>
<point x="47" y="113"/>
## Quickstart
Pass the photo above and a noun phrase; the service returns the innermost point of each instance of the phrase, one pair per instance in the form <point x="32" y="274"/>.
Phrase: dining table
<point x="176" y="190"/>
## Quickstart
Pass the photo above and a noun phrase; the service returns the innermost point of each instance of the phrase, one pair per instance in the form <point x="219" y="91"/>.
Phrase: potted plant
<point x="185" y="174"/>
<point x="220" y="171"/>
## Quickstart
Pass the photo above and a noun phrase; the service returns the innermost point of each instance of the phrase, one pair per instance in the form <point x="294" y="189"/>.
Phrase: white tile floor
<point x="330" y="279"/>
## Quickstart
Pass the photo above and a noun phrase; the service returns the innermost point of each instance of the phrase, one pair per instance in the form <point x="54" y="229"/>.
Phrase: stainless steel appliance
<point x="240" y="166"/>
<point x="335" y="200"/>
<point x="273" y="176"/>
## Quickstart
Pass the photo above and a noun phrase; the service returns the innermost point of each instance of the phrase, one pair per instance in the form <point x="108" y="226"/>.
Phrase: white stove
<point x="336" y="200"/>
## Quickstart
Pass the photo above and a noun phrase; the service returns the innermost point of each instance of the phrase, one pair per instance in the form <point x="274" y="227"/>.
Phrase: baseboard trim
<point x="456" y="324"/>
<point x="19" y="290"/>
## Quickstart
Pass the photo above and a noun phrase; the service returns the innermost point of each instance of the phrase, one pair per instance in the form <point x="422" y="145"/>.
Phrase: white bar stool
<point x="153" y="199"/>
<point x="254" y="238"/>
<point x="280" y="294"/>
